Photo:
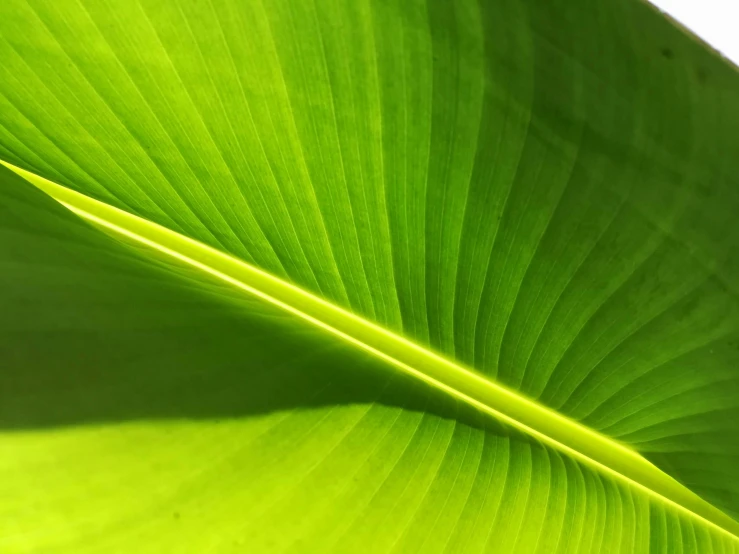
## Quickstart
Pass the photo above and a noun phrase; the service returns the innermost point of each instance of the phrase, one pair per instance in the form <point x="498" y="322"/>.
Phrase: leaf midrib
<point x="545" y="424"/>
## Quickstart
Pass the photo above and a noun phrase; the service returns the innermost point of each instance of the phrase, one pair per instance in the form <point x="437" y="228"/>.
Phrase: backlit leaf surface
<point x="544" y="193"/>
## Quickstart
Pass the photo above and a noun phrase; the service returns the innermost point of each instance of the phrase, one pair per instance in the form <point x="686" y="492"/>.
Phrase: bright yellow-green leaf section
<point x="543" y="423"/>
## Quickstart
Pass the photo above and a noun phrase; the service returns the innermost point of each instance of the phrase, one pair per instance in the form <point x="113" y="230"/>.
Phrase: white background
<point x="715" y="21"/>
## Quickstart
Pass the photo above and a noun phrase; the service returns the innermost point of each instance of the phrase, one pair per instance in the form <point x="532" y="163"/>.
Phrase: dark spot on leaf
<point x="702" y="75"/>
<point x="176" y="515"/>
<point x="667" y="53"/>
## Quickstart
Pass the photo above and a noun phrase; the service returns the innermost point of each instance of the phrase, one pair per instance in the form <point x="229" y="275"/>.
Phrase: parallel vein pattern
<point x="299" y="444"/>
<point x="548" y="426"/>
<point x="544" y="191"/>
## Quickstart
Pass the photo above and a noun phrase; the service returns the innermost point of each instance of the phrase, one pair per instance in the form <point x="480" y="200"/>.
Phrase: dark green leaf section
<point x="144" y="406"/>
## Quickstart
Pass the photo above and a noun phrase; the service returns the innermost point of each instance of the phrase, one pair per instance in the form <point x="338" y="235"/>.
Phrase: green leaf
<point x="366" y="277"/>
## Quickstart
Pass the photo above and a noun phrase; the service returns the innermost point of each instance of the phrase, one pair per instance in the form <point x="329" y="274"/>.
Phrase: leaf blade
<point x="528" y="416"/>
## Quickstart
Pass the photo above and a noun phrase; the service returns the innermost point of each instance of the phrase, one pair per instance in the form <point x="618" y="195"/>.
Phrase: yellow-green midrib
<point x="543" y="423"/>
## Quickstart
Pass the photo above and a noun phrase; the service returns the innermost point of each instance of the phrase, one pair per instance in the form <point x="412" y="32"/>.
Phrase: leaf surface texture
<point x="543" y="193"/>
